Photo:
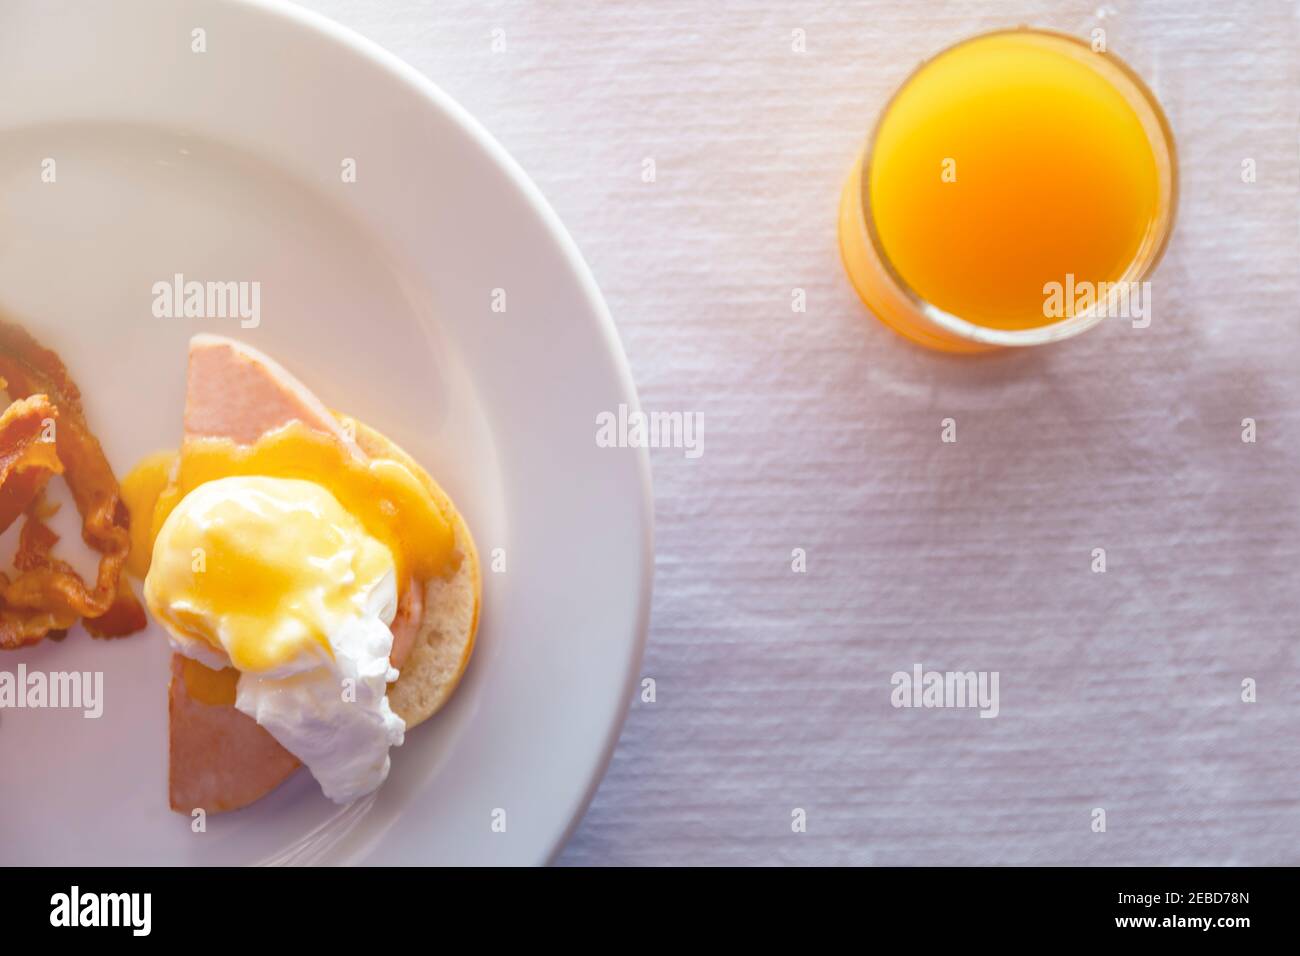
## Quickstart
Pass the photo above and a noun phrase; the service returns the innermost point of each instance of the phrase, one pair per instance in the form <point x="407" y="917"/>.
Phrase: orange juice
<point x="1006" y="163"/>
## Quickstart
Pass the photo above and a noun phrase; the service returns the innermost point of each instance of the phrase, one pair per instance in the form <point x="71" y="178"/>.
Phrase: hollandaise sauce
<point x="265" y="570"/>
<point x="389" y="501"/>
<point x="208" y="685"/>
<point x="255" y="555"/>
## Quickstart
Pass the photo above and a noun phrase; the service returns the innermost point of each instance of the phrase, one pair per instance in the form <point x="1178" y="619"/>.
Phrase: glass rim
<point x="1143" y="262"/>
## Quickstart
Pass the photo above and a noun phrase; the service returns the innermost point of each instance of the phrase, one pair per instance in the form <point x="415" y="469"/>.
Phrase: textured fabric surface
<point x="1120" y="690"/>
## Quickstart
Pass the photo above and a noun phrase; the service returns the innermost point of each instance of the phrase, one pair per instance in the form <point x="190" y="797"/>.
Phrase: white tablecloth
<point x="1120" y="691"/>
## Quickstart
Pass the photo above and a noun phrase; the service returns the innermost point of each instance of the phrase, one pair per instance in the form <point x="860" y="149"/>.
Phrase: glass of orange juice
<point x="1006" y="169"/>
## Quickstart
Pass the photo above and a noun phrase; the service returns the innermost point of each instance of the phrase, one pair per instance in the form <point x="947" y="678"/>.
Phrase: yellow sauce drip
<point x="140" y="490"/>
<point x="207" y="686"/>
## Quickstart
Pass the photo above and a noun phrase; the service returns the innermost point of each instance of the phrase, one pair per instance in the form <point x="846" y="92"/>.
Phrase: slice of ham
<point x="235" y="392"/>
<point x="220" y="758"/>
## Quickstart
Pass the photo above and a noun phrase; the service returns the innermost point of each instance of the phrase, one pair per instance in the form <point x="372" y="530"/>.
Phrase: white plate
<point x="227" y="165"/>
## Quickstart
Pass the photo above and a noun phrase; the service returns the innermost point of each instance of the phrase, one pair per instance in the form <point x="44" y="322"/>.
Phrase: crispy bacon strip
<point x="48" y="594"/>
<point x="27" y="458"/>
<point x="124" y="616"/>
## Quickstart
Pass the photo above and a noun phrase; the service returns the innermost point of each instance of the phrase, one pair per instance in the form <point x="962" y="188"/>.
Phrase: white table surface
<point x="822" y="431"/>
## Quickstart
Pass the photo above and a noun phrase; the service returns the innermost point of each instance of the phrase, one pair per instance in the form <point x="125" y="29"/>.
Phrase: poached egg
<point x="274" y="577"/>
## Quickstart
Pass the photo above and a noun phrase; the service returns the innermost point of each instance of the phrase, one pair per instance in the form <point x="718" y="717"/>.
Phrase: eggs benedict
<point x="318" y="588"/>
